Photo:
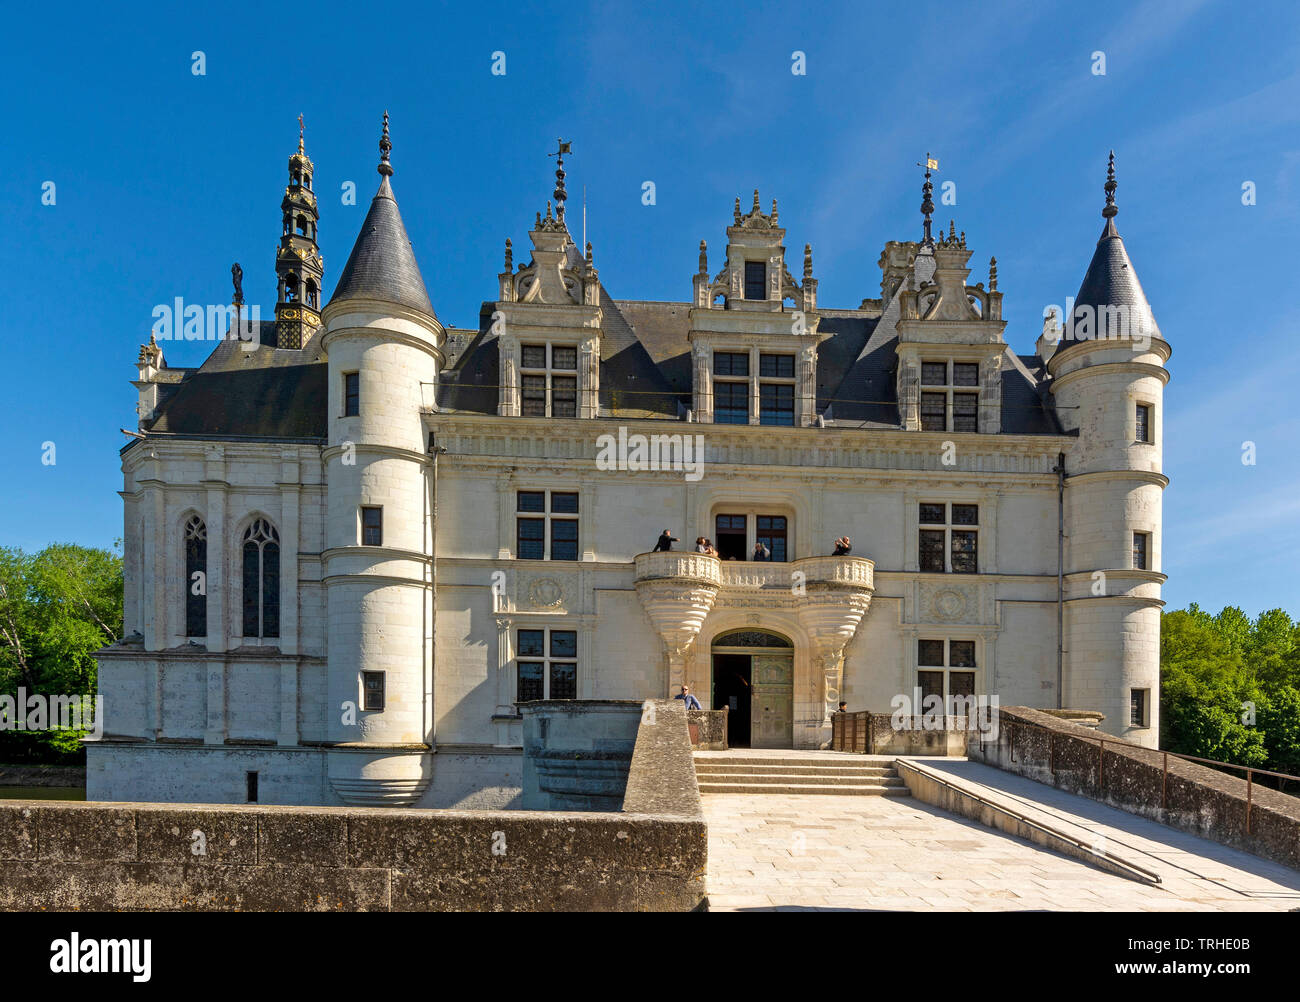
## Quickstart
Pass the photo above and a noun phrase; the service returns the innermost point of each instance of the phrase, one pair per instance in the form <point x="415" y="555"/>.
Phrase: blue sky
<point x="163" y="178"/>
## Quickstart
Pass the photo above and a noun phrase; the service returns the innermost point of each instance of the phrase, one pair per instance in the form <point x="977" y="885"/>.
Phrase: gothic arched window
<point x="196" y="577"/>
<point x="261" y="580"/>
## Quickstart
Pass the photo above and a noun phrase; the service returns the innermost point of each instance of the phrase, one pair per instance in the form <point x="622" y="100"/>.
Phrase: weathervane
<point x="560" y="194"/>
<point x="927" y="193"/>
<point x="300" y="131"/>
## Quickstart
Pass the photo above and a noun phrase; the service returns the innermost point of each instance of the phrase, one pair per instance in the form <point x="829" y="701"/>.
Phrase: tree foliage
<point x="1230" y="686"/>
<point x="57" y="607"/>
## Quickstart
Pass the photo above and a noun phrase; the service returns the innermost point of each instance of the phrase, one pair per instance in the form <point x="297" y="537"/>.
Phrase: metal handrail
<point x="1249" y="770"/>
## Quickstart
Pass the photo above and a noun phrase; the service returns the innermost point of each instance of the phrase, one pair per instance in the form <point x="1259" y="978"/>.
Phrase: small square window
<point x="932" y="514"/>
<point x="961" y="683"/>
<point x="564" y="643"/>
<point x="931" y="684"/>
<point x="961" y="654"/>
<point x="532" y="501"/>
<point x="564" y="358"/>
<point x="533" y="356"/>
<point x="372" y="683"/>
<point x="929" y="652"/>
<point x="965" y="374"/>
<point x="564" y="503"/>
<point x="776" y="366"/>
<point x="965" y="514"/>
<point x="730" y="363"/>
<point x="934" y="373"/>
<point x="372" y="525"/>
<point x="532" y="643"/>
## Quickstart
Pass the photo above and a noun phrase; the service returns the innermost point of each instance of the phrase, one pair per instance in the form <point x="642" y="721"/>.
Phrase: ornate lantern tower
<point x="298" y="264"/>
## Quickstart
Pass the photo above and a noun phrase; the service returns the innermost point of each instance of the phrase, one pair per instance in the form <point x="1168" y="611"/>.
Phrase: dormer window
<point x="755" y="280"/>
<point x="944" y="405"/>
<point x="549" y="380"/>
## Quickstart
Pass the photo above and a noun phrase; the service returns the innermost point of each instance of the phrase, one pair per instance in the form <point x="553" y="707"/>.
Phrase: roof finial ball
<point x="1110" y="210"/>
<point x="385" y="168"/>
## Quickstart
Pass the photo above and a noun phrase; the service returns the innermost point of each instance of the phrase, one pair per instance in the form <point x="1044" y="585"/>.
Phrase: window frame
<point x="549" y="373"/>
<point x="1144" y="708"/>
<point x="948" y="668"/>
<point x="547" y="659"/>
<point x="378" y="510"/>
<point x="548" y="517"/>
<point x="1142" y="562"/>
<point x="950" y="528"/>
<point x="1142" y="415"/>
<point x="951" y="391"/>
<point x="269" y="579"/>
<point x="367" y="691"/>
<point x="751" y="267"/>
<point x="195" y="554"/>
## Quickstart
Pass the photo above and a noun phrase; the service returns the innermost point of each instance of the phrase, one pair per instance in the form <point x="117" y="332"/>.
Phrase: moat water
<point x="42" y="793"/>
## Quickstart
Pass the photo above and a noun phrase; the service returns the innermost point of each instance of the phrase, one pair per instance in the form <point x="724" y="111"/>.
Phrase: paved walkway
<point x="816" y="852"/>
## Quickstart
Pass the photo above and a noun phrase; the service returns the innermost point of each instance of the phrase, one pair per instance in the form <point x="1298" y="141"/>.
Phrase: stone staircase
<point x="787" y="773"/>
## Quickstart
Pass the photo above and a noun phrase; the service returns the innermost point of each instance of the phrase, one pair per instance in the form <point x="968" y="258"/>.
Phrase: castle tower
<point x="1108" y="377"/>
<point x="385" y="350"/>
<point x="299" y="267"/>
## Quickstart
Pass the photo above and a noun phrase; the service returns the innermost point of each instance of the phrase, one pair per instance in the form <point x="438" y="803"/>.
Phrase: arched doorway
<point x="753" y="678"/>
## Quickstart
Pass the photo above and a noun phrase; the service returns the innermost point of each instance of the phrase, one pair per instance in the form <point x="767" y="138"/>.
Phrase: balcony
<point x="824" y="573"/>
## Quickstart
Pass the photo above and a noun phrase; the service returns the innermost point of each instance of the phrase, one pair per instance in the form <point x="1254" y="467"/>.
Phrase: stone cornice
<point x="1109" y="368"/>
<point x="1146" y="476"/>
<point x="1064" y="348"/>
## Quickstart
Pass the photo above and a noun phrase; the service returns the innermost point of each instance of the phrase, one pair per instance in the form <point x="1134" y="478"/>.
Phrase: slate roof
<point x="382" y="263"/>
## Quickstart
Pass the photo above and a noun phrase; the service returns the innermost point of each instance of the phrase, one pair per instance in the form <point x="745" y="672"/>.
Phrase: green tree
<point x="57" y="607"/>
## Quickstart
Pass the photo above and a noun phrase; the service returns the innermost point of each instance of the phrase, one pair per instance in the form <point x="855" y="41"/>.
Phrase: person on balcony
<point x="701" y="545"/>
<point x="665" y="543"/>
<point x="709" y="548"/>
<point x="761" y="552"/>
<point x="685" y="696"/>
<point x="843" y="547"/>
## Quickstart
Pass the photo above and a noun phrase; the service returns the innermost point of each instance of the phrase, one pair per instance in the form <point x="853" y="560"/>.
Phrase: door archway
<point x="753" y="678"/>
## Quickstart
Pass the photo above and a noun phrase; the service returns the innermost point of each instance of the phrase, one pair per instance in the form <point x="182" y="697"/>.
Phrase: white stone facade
<point x="438" y="605"/>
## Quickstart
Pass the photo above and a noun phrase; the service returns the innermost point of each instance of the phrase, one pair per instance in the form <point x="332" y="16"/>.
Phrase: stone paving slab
<point x="805" y="852"/>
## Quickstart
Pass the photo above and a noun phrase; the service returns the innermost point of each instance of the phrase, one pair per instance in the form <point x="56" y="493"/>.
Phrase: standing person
<point x="701" y="545"/>
<point x="685" y="696"/>
<point x="666" y="540"/>
<point x="843" y="547"/>
<point x="761" y="552"/>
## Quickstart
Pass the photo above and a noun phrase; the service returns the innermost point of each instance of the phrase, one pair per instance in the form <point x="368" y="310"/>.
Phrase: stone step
<point x="785" y="779"/>
<point x="710" y="770"/>
<point x="847" y="762"/>
<point x="822" y="789"/>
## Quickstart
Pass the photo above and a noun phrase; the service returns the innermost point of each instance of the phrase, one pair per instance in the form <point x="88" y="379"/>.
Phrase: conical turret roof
<point x="1111" y="280"/>
<point x="382" y="263"/>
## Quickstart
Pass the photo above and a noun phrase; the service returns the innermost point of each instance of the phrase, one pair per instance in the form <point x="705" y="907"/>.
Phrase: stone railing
<point x="1145" y="781"/>
<point x="651" y="856"/>
<point x="708" y="729"/>
<point x="678" y="565"/>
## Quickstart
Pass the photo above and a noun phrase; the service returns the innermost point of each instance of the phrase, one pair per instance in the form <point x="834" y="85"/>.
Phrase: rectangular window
<point x="931" y="684"/>
<point x="564" y="396"/>
<point x="546" y="532"/>
<point x="533" y="356"/>
<point x="351" y="394"/>
<point x="730" y="537"/>
<point x="564" y="358"/>
<point x="771" y="532"/>
<point x="932" y="546"/>
<point x="372" y="525"/>
<point x="372" y="688"/>
<point x="954" y="548"/>
<point x="534" y="396"/>
<point x="730" y="363"/>
<point x="776" y="403"/>
<point x="934" y="412"/>
<point x="731" y="403"/>
<point x="1143" y="423"/>
<point x="250" y="782"/>
<point x="961" y="654"/>
<point x="755" y="280"/>
<point x="965" y="412"/>
<point x="1140" y="547"/>
<point x="965" y="374"/>
<point x="548" y="664"/>
<point x="1137" y="708"/>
